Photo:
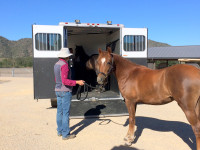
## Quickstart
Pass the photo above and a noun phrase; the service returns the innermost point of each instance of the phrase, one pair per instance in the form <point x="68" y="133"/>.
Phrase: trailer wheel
<point x="54" y="102"/>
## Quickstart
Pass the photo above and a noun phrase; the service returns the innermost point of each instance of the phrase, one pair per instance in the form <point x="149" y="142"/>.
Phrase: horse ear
<point x="109" y="50"/>
<point x="100" y="50"/>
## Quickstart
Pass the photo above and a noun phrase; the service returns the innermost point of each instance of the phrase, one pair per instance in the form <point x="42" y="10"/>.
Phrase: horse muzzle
<point x="100" y="79"/>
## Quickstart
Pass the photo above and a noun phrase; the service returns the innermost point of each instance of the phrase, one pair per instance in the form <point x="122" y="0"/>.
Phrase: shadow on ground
<point x="121" y="147"/>
<point x="181" y="129"/>
<point x="86" y="122"/>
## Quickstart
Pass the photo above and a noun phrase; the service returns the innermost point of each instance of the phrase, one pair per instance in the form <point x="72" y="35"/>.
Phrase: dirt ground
<point x="26" y="124"/>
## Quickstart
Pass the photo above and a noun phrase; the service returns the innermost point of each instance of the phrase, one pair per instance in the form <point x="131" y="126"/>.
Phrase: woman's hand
<point x="80" y="82"/>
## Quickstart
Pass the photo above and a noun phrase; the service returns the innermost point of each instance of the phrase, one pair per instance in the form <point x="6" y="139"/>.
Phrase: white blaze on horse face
<point x="103" y="60"/>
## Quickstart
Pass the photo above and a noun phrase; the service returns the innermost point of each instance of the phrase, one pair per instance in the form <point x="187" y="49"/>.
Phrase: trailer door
<point x="134" y="44"/>
<point x="47" y="42"/>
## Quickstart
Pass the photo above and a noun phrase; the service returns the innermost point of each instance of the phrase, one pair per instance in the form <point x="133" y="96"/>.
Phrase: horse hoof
<point x="126" y="139"/>
<point x="128" y="143"/>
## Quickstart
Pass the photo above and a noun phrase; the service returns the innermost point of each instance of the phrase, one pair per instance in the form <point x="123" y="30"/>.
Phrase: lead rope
<point x="78" y="93"/>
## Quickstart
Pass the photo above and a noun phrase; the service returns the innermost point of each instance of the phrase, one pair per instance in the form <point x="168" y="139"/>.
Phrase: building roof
<point x="174" y="52"/>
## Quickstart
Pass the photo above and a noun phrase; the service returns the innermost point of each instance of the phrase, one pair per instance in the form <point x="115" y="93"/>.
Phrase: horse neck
<point x="122" y="65"/>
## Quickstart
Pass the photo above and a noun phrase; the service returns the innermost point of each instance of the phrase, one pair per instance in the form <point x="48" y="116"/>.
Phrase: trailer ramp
<point x="99" y="108"/>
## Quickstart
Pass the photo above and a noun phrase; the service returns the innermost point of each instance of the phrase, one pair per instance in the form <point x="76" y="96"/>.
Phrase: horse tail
<point x="91" y="62"/>
<point x="197" y="108"/>
<point x="88" y="64"/>
<point x="197" y="103"/>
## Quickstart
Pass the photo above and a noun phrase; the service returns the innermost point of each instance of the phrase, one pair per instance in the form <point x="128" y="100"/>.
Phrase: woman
<point x="63" y="90"/>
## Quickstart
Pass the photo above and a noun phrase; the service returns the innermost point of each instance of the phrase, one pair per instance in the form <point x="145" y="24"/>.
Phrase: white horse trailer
<point x="130" y="43"/>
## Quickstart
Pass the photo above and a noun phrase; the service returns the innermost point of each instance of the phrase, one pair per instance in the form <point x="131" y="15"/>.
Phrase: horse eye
<point x="109" y="63"/>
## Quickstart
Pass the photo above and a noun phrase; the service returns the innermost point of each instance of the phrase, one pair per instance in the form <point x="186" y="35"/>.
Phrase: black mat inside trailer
<point x="98" y="108"/>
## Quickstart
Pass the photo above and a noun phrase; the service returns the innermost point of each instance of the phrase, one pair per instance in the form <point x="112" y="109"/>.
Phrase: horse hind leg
<point x="195" y="123"/>
<point x="197" y="108"/>
<point x="192" y="116"/>
<point x="197" y="127"/>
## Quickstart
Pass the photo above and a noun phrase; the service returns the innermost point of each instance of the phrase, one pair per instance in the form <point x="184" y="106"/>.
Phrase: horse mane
<point x="125" y="62"/>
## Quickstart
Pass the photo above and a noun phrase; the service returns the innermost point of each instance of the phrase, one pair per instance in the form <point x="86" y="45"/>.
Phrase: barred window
<point x="134" y="43"/>
<point x="48" y="41"/>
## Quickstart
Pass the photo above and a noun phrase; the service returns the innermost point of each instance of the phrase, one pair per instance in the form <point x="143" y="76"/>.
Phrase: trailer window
<point x="134" y="43"/>
<point x="48" y="41"/>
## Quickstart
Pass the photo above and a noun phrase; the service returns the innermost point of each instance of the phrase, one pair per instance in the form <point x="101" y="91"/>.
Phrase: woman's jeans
<point x="63" y="109"/>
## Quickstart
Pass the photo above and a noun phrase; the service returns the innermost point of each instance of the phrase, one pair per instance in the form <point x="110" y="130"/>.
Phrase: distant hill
<point x="152" y="43"/>
<point x="23" y="47"/>
<point x="20" y="48"/>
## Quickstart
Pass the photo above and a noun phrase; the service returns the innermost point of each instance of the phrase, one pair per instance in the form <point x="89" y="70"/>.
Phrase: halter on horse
<point x="139" y="84"/>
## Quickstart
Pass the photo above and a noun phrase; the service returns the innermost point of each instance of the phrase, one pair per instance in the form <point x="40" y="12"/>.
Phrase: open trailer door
<point x="47" y="42"/>
<point x="134" y="45"/>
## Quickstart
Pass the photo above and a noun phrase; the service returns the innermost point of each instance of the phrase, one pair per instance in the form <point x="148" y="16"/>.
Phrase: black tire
<point x="54" y="103"/>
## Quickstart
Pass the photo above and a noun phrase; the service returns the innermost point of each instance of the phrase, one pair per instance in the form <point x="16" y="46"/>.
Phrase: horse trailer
<point x="130" y="43"/>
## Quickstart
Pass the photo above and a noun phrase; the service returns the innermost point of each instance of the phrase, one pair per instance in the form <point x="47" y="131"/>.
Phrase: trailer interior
<point x="91" y="39"/>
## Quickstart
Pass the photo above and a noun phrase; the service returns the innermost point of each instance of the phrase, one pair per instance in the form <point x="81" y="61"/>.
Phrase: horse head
<point x="105" y="62"/>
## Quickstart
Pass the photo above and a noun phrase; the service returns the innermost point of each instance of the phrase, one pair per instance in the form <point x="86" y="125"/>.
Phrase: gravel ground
<point x="26" y="124"/>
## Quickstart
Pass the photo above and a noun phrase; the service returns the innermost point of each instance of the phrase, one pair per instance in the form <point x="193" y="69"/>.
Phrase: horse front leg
<point x="131" y="106"/>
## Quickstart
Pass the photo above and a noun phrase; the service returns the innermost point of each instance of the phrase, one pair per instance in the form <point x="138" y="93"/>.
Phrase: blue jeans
<point x="63" y="109"/>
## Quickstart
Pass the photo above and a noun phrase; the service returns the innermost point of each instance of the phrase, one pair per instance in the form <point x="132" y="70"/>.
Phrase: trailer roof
<point x="91" y="24"/>
<point x="174" y="52"/>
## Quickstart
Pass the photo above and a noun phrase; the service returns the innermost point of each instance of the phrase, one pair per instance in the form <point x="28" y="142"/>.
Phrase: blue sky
<point x="176" y="22"/>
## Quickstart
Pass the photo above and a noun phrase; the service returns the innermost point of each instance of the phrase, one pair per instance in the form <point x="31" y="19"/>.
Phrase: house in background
<point x="161" y="57"/>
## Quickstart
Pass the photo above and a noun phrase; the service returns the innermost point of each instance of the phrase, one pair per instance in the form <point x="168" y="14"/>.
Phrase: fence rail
<point x="16" y="72"/>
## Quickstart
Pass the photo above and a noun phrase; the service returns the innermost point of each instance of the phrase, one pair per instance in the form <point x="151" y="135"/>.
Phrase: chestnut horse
<point x="139" y="84"/>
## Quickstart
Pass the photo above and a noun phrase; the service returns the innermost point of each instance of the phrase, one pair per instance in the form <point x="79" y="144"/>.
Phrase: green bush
<point x="19" y="62"/>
